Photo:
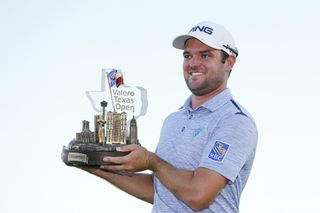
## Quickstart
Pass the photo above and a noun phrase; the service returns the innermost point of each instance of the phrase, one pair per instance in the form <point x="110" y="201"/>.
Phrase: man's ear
<point x="231" y="60"/>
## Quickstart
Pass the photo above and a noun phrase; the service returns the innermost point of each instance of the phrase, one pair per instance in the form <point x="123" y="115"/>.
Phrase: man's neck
<point x="197" y="101"/>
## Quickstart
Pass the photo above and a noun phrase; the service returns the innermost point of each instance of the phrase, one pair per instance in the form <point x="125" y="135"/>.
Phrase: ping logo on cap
<point x="204" y="29"/>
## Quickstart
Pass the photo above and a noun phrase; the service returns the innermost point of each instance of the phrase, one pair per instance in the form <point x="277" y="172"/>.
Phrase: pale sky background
<point x="51" y="52"/>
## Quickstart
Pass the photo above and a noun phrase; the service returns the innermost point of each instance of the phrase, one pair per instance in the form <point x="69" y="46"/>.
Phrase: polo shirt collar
<point x="212" y="104"/>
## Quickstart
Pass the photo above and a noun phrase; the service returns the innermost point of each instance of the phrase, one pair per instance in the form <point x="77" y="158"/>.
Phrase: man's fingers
<point x="127" y="148"/>
<point x="113" y="167"/>
<point x="135" y="160"/>
<point x="115" y="160"/>
<point x="118" y="167"/>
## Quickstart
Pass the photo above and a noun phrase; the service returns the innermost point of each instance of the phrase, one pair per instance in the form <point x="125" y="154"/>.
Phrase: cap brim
<point x="180" y="41"/>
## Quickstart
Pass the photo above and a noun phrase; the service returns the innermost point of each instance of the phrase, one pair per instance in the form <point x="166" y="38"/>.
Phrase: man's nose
<point x="194" y="62"/>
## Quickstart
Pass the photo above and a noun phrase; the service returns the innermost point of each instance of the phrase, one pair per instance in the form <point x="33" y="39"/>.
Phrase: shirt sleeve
<point x="230" y="146"/>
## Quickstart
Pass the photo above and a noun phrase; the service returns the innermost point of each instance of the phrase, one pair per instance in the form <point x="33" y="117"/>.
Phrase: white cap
<point x="211" y="34"/>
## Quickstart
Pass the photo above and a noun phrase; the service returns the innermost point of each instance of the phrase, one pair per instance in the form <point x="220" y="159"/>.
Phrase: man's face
<point x="203" y="69"/>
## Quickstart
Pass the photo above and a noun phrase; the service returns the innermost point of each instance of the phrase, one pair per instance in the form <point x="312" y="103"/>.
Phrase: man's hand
<point x="137" y="160"/>
<point x="88" y="169"/>
<point x="197" y="188"/>
<point x="135" y="184"/>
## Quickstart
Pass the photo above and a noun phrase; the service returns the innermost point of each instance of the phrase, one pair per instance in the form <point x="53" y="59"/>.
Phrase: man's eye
<point x="205" y="56"/>
<point x="186" y="56"/>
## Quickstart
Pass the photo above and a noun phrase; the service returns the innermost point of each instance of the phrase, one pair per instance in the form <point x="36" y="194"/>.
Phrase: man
<point x="206" y="149"/>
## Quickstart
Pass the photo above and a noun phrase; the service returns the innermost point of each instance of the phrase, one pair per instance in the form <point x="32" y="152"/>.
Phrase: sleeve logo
<point x="218" y="151"/>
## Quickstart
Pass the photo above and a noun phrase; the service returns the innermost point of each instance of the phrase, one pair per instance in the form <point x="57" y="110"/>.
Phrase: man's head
<point x="211" y="34"/>
<point x="209" y="55"/>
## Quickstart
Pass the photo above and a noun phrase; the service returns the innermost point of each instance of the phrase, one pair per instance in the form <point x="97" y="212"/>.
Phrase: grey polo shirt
<point x="221" y="136"/>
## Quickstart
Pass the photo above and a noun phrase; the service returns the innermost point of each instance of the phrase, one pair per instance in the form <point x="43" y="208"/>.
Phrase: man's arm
<point x="137" y="185"/>
<point x="197" y="189"/>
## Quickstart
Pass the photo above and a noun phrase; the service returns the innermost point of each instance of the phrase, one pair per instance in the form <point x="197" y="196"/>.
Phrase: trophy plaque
<point x="112" y="128"/>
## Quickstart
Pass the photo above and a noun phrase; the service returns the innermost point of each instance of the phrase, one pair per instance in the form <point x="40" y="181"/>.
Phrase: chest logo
<point x="218" y="151"/>
<point x="196" y="132"/>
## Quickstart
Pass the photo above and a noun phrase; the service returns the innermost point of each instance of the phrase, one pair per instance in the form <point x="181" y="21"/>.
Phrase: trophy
<point x="119" y="106"/>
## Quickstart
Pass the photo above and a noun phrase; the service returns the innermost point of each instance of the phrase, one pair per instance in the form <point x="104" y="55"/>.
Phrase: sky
<point x="52" y="51"/>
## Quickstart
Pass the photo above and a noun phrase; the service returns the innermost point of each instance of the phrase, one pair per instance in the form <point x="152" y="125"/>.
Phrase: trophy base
<point x="80" y="154"/>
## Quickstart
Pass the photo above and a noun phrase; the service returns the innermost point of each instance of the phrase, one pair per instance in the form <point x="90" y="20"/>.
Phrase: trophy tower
<point x="88" y="148"/>
<point x="111" y="126"/>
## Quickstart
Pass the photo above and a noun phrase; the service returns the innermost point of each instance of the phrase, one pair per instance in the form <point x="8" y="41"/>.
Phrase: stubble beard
<point x="204" y="87"/>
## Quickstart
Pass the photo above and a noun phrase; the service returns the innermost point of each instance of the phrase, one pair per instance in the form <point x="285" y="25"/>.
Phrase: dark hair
<point x="224" y="56"/>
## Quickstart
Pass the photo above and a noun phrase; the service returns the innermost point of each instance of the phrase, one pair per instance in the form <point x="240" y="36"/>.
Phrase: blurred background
<point x="52" y="51"/>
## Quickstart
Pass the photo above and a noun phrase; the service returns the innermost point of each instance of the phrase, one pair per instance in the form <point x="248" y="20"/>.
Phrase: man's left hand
<point x="137" y="160"/>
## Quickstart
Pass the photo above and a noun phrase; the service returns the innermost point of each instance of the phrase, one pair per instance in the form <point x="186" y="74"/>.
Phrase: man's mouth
<point x="195" y="73"/>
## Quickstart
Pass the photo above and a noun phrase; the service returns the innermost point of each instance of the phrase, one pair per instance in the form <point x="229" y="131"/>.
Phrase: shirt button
<point x="190" y="116"/>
